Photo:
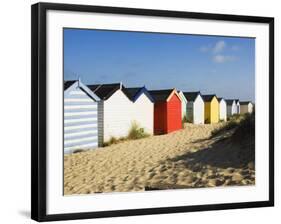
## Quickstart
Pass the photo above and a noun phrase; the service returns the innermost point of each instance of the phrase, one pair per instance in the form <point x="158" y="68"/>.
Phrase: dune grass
<point x="235" y="121"/>
<point x="184" y="120"/>
<point x="228" y="126"/>
<point x="245" y="129"/>
<point x="135" y="132"/>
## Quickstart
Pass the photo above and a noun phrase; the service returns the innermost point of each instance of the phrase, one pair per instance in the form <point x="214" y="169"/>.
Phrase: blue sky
<point x="212" y="64"/>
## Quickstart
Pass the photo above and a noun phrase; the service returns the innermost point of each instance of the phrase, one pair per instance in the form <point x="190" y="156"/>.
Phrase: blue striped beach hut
<point x="80" y="117"/>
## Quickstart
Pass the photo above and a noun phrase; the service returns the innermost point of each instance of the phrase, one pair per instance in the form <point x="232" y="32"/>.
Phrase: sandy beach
<point x="187" y="158"/>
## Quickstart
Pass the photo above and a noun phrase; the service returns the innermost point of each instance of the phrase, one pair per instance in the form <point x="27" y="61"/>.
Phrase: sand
<point x="186" y="158"/>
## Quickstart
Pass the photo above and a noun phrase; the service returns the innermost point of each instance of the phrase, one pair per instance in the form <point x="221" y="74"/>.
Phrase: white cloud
<point x="219" y="46"/>
<point x="223" y="58"/>
<point x="218" y="51"/>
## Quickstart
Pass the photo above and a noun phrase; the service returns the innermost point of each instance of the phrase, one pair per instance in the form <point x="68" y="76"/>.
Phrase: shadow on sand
<point x="221" y="154"/>
<point x="231" y="146"/>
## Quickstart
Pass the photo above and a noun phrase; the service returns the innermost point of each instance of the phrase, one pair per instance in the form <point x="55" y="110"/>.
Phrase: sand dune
<point x="183" y="159"/>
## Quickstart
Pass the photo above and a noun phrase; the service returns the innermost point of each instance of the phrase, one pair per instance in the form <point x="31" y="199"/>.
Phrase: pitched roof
<point x="208" y="98"/>
<point x="68" y="83"/>
<point x="229" y="101"/>
<point x="245" y="102"/>
<point x="191" y="96"/>
<point x="134" y="93"/>
<point x="71" y="84"/>
<point x="104" y="91"/>
<point x="161" y="95"/>
<point x="220" y="99"/>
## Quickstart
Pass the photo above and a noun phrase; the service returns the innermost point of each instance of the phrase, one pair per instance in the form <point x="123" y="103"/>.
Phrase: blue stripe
<point x="80" y="110"/>
<point x="80" y="136"/>
<point x="80" y="103"/>
<point x="73" y="117"/>
<point x="79" y="123"/>
<point x="80" y="143"/>
<point x="67" y="151"/>
<point x="80" y="129"/>
<point x="68" y="96"/>
<point x="141" y="91"/>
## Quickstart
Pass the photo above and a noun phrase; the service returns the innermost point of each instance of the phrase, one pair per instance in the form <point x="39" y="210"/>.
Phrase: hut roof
<point x="191" y="96"/>
<point x="78" y="83"/>
<point x="229" y="101"/>
<point x="245" y="102"/>
<point x="68" y="83"/>
<point x="161" y="95"/>
<point x="134" y="93"/>
<point x="220" y="99"/>
<point x="208" y="98"/>
<point x="104" y="91"/>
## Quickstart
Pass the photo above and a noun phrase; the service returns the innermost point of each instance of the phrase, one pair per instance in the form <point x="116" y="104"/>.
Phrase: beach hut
<point x="211" y="104"/>
<point x="194" y="107"/>
<point x="237" y="106"/>
<point x="143" y="107"/>
<point x="183" y="105"/>
<point x="231" y="107"/>
<point x="223" y="109"/>
<point x="80" y="117"/>
<point x="115" y="111"/>
<point x="167" y="111"/>
<point x="246" y="107"/>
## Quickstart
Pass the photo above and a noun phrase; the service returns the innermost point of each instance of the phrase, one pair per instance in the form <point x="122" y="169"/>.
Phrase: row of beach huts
<point x="95" y="113"/>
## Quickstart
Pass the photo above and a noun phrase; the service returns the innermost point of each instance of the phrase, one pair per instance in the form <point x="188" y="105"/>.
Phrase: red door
<point x="160" y="118"/>
<point x="174" y="121"/>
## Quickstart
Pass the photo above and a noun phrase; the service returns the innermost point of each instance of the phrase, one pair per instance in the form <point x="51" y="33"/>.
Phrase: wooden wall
<point x="174" y="121"/>
<point x="80" y="120"/>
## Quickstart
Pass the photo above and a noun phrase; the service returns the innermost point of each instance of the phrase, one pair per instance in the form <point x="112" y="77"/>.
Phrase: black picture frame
<point x="39" y="121"/>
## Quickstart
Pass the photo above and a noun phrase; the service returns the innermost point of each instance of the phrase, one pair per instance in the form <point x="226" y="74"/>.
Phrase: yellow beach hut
<point x="211" y="105"/>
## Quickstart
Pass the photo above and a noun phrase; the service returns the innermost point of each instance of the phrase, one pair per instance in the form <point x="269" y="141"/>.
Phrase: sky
<point x="219" y="65"/>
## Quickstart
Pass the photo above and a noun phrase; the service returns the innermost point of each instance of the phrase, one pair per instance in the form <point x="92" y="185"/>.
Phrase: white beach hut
<point x="194" y="107"/>
<point x="222" y="109"/>
<point x="80" y="117"/>
<point x="143" y="107"/>
<point x="246" y="107"/>
<point x="231" y="107"/>
<point x="183" y="105"/>
<point x="116" y="111"/>
<point x="237" y="106"/>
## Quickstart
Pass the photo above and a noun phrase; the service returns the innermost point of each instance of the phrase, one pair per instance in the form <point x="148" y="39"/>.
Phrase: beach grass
<point x="187" y="158"/>
<point x="135" y="132"/>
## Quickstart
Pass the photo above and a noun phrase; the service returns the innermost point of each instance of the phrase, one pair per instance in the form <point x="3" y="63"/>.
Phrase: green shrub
<point x="228" y="126"/>
<point x="236" y="117"/>
<point x="136" y="132"/>
<point x="245" y="129"/>
<point x="244" y="135"/>
<point x="235" y="121"/>
<point x="78" y="151"/>
<point x="189" y="120"/>
<point x="184" y="120"/>
<point x="111" y="141"/>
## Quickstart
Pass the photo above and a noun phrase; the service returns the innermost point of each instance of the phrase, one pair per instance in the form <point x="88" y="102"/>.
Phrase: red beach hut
<point x="167" y="111"/>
